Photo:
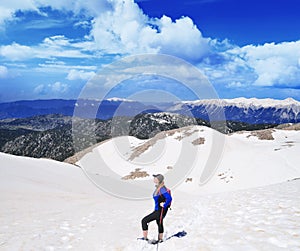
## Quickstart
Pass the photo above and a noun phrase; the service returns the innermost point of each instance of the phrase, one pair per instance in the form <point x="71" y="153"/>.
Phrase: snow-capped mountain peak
<point x="115" y="99"/>
<point x="245" y="102"/>
<point x="265" y="103"/>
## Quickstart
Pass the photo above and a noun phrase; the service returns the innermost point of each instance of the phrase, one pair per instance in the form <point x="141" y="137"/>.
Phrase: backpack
<point x="169" y="192"/>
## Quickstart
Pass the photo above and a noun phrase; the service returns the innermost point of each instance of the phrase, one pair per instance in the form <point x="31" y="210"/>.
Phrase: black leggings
<point x="158" y="215"/>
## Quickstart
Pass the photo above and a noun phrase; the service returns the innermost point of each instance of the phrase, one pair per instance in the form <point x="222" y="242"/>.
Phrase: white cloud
<point x="3" y="71"/>
<point x="16" y="65"/>
<point x="5" y="14"/>
<point x="41" y="24"/>
<point x="118" y="27"/>
<point x="58" y="46"/>
<point x="84" y="24"/>
<point x="127" y="30"/>
<point x="40" y="90"/>
<point x="55" y="88"/>
<point x="122" y="30"/>
<point x="15" y="52"/>
<point x="90" y="7"/>
<point x="58" y="87"/>
<point x="181" y="38"/>
<point x="268" y="65"/>
<point x="9" y="7"/>
<point x="80" y="74"/>
<point x="51" y="47"/>
<point x="235" y="84"/>
<point x="56" y="41"/>
<point x="59" y="67"/>
<point x="273" y="64"/>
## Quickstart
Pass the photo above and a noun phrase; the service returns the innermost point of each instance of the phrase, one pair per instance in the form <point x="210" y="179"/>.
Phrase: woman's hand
<point x="162" y="204"/>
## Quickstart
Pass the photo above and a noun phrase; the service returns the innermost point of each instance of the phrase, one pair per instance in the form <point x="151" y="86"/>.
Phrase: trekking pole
<point x="157" y="243"/>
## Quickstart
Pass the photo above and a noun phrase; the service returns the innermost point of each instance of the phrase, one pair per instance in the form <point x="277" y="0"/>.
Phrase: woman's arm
<point x="168" y="198"/>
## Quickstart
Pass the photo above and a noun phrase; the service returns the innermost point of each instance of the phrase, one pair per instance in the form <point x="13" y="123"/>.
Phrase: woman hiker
<point x="162" y="198"/>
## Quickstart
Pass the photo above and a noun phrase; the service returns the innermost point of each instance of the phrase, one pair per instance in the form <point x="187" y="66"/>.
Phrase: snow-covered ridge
<point x="241" y="166"/>
<point x="239" y="102"/>
<point x="253" y="110"/>
<point x="247" y="102"/>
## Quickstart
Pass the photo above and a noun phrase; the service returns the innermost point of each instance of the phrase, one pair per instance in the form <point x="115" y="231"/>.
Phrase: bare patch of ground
<point x="188" y="132"/>
<point x="137" y="173"/>
<point x="199" y="141"/>
<point x="179" y="138"/>
<point x="262" y="134"/>
<point x="185" y="131"/>
<point x="137" y="151"/>
<point x="226" y="176"/>
<point x="289" y="127"/>
<point x="76" y="157"/>
<point x="144" y="147"/>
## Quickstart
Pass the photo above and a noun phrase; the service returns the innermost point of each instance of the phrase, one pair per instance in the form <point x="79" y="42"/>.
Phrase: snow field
<point x="247" y="205"/>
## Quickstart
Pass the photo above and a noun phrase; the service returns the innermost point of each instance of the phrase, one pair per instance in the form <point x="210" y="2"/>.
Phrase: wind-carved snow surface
<point x="248" y="204"/>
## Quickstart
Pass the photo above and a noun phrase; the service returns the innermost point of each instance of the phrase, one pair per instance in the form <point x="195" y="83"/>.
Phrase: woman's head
<point x="158" y="179"/>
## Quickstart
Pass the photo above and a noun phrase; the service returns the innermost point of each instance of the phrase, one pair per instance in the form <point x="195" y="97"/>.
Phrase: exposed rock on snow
<point x="137" y="173"/>
<point x="295" y="127"/>
<point x="183" y="132"/>
<point x="199" y="141"/>
<point x="263" y="134"/>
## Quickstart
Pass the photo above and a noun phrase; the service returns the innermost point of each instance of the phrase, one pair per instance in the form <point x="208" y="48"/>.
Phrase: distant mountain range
<point x="252" y="111"/>
<point x="43" y="128"/>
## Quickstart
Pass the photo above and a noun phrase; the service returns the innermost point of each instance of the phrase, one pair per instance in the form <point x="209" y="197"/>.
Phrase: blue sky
<point x="244" y="48"/>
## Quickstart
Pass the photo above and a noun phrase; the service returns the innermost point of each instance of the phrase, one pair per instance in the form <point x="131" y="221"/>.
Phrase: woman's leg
<point x="145" y="221"/>
<point x="145" y="234"/>
<point x="160" y="223"/>
<point x="160" y="236"/>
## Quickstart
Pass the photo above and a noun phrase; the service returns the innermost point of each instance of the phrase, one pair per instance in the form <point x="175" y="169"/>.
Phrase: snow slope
<point x="238" y="161"/>
<point x="48" y="205"/>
